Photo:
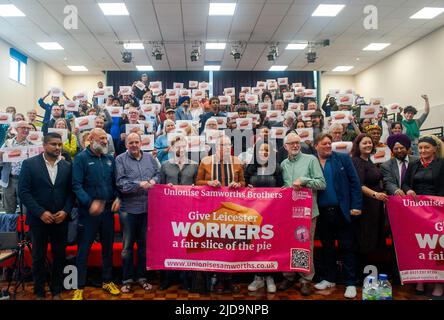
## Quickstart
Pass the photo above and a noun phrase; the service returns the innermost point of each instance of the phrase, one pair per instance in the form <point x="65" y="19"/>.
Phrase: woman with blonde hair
<point x="425" y="176"/>
<point x="70" y="145"/>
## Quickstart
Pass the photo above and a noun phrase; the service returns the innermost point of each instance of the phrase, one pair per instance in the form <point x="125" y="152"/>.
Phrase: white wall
<point x="404" y="76"/>
<point x="335" y="82"/>
<point x="13" y="93"/>
<point x="74" y="84"/>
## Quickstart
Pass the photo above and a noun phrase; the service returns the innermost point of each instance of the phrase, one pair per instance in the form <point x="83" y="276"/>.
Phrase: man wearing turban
<point x="393" y="171"/>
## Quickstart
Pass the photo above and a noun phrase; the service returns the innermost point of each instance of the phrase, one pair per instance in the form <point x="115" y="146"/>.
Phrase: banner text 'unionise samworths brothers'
<point x="418" y="232"/>
<point x="228" y="230"/>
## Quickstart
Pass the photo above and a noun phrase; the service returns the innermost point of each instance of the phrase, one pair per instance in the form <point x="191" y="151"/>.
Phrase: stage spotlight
<point x="195" y="54"/>
<point x="273" y="53"/>
<point x="127" y="57"/>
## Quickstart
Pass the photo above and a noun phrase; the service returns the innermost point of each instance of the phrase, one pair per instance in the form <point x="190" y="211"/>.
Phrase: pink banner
<point x="228" y="230"/>
<point x="417" y="227"/>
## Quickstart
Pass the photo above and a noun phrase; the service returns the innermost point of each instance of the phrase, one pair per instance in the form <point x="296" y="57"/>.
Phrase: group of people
<point x="107" y="170"/>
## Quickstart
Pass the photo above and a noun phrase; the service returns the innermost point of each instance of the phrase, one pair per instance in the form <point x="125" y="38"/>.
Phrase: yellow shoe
<point x="78" y="295"/>
<point x="111" y="288"/>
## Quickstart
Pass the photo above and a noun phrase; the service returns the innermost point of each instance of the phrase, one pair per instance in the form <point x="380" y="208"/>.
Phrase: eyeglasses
<point x="295" y="143"/>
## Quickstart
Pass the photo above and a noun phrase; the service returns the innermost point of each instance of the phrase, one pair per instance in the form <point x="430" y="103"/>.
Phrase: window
<point x="17" y="66"/>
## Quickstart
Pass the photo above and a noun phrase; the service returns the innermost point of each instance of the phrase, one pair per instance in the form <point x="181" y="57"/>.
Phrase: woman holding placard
<point x="70" y="145"/>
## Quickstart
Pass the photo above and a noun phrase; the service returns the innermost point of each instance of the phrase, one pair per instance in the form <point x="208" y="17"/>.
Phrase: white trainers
<point x="324" y="284"/>
<point x="350" y="292"/>
<point x="271" y="287"/>
<point x="256" y="284"/>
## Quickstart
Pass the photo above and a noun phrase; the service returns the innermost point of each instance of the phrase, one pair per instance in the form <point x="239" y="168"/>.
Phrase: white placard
<point x="98" y="93"/>
<point x="264" y="106"/>
<point x="35" y="151"/>
<point x="342" y="146"/>
<point x="115" y="111"/>
<point x="299" y="90"/>
<point x="310" y="93"/>
<point x="230" y="91"/>
<point x="295" y="106"/>
<point x="261" y="85"/>
<point x="283" y="81"/>
<point x="288" y="95"/>
<point x="136" y="128"/>
<point x="272" y="84"/>
<point x="172" y="93"/>
<point x="177" y="85"/>
<point x="81" y="96"/>
<point x="346" y="99"/>
<point x="35" y="137"/>
<point x="251" y="98"/>
<point x="393" y="108"/>
<point x="256" y="91"/>
<point x="376" y="102"/>
<point x="225" y="100"/>
<point x="140" y="85"/>
<point x="306" y="115"/>
<point x="109" y="91"/>
<point x="156" y="85"/>
<point x="125" y="90"/>
<point x="198" y="94"/>
<point x="244" y="123"/>
<point x="369" y="112"/>
<point x="183" y="124"/>
<point x="381" y="155"/>
<point x="274" y="115"/>
<point x="297" y="85"/>
<point x="232" y="115"/>
<point x="15" y="154"/>
<point x="147" y="142"/>
<point x="5" y="118"/>
<point x="306" y="134"/>
<point x="185" y="93"/>
<point x="148" y="124"/>
<point x="56" y="91"/>
<point x="340" y="116"/>
<point x="204" y="85"/>
<point x="62" y="132"/>
<point x="193" y="84"/>
<point x="278" y="132"/>
<point x="84" y="123"/>
<point x="334" y="92"/>
<point x="256" y="117"/>
<point x="173" y="136"/>
<point x="71" y="106"/>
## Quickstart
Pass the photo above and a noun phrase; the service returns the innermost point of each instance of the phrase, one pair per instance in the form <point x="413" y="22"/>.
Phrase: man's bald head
<point x="98" y="141"/>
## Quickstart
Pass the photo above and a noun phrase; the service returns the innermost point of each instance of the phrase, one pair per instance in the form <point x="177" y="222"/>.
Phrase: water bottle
<point x="370" y="288"/>
<point x="384" y="288"/>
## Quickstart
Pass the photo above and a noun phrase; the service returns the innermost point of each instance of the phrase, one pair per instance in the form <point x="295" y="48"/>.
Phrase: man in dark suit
<point x="338" y="204"/>
<point x="45" y="190"/>
<point x="393" y="171"/>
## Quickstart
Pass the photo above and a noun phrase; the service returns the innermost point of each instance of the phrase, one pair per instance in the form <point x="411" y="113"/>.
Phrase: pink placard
<point x="228" y="230"/>
<point x="417" y="228"/>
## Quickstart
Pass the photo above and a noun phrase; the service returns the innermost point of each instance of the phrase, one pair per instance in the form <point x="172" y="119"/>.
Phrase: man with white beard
<point x="93" y="182"/>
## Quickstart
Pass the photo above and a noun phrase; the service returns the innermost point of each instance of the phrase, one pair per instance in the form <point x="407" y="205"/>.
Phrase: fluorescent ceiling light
<point x="427" y="13"/>
<point x="78" y="68"/>
<point x="145" y="68"/>
<point x="277" y="68"/>
<point x="222" y="9"/>
<point x="342" y="68"/>
<point x="215" y="45"/>
<point x="114" y="9"/>
<point x="376" y="46"/>
<point x="211" y="68"/>
<point x="296" y="46"/>
<point x="50" y="45"/>
<point x="328" y="10"/>
<point x="133" y="46"/>
<point x="10" y="10"/>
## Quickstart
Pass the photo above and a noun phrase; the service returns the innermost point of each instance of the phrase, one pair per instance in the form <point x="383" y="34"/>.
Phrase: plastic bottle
<point x="370" y="289"/>
<point x="384" y="288"/>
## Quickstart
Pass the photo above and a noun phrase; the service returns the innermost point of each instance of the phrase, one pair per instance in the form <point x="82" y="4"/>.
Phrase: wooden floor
<point x="175" y="293"/>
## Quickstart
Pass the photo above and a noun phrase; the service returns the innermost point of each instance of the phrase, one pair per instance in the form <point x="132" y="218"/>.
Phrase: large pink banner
<point x="228" y="230"/>
<point x="418" y="232"/>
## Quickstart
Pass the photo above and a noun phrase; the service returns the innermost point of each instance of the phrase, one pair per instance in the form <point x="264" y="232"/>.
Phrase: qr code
<point x="300" y="259"/>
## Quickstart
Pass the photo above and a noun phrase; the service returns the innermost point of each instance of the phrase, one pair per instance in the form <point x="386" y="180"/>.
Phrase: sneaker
<point x="324" y="284"/>
<point x="350" y="292"/>
<point x="256" y="284"/>
<point x="78" y="295"/>
<point x="111" y="288"/>
<point x="271" y="287"/>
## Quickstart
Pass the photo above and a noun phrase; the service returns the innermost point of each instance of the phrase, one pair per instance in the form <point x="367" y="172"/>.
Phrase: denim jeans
<point x="134" y="231"/>
<point x="103" y="223"/>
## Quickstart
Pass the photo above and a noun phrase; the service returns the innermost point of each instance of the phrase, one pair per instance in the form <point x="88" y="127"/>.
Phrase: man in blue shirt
<point x="48" y="107"/>
<point x="338" y="204"/>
